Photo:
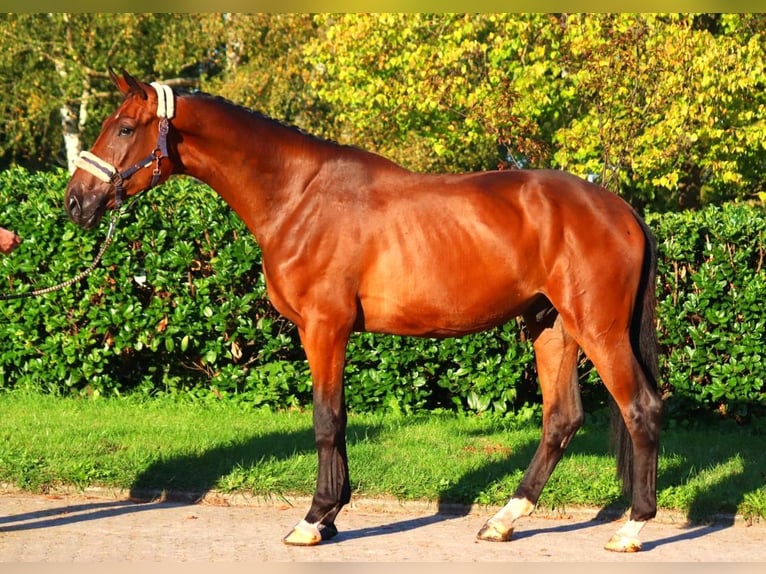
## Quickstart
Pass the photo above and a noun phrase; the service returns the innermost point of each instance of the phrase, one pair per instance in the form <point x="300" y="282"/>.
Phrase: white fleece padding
<point x="95" y="166"/>
<point x="166" y="105"/>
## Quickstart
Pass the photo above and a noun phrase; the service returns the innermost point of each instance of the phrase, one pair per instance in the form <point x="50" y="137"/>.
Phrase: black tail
<point x="643" y="336"/>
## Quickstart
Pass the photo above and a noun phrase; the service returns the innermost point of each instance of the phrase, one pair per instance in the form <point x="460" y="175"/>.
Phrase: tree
<point x="263" y="66"/>
<point x="669" y="113"/>
<point x="666" y="110"/>
<point x="429" y="91"/>
<point x="54" y="70"/>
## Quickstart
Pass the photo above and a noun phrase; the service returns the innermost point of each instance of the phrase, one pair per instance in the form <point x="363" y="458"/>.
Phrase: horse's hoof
<point x="306" y="534"/>
<point x="492" y="533"/>
<point x="620" y="543"/>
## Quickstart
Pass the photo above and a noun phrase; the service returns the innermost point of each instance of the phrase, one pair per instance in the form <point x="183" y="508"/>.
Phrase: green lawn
<point x="165" y="444"/>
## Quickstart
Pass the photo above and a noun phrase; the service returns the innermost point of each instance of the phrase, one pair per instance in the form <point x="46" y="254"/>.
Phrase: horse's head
<point x="130" y="155"/>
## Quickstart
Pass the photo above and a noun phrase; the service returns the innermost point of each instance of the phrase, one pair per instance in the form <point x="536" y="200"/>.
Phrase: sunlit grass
<point x="48" y="443"/>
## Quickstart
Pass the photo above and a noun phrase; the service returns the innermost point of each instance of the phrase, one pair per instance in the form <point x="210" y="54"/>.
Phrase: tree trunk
<point x="71" y="134"/>
<point x="72" y="118"/>
<point x="233" y="43"/>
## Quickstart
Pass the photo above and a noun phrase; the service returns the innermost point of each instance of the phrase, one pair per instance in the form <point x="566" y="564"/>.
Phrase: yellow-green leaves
<point x="665" y="109"/>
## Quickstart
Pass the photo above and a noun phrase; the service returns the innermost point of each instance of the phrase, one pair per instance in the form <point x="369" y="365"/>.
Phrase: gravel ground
<point x="108" y="527"/>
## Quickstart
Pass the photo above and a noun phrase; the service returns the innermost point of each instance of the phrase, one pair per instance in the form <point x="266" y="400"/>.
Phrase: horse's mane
<point x="258" y="114"/>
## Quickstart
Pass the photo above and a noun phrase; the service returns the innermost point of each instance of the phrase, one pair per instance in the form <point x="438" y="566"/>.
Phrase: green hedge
<point x="178" y="306"/>
<point x="712" y="307"/>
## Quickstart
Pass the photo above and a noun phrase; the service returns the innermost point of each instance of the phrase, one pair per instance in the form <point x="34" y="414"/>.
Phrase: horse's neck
<point x="259" y="167"/>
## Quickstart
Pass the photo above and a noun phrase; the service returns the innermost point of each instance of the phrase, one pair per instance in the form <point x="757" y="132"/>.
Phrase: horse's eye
<point x="126" y="131"/>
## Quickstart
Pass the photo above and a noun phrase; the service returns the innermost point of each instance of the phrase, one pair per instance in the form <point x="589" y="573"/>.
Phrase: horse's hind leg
<point x="556" y="355"/>
<point x="641" y="410"/>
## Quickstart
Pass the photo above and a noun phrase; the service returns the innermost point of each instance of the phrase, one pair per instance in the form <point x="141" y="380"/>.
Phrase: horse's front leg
<point x="325" y="347"/>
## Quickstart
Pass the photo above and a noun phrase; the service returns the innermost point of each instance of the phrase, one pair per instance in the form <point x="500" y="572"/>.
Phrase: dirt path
<point x="104" y="528"/>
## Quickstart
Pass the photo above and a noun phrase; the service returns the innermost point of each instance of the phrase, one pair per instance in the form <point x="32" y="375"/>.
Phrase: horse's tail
<point x="643" y="337"/>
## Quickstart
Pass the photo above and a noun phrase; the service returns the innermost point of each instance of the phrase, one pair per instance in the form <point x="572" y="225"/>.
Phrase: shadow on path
<point x="72" y="514"/>
<point x="184" y="479"/>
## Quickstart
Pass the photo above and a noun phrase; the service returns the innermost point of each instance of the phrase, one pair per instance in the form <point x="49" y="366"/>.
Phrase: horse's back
<point x="454" y="254"/>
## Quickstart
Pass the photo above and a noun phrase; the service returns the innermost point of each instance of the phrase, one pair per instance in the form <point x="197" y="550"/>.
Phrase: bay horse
<point x="354" y="242"/>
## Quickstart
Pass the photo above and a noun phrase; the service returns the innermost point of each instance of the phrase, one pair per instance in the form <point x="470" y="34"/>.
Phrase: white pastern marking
<point x="516" y="508"/>
<point x="631" y="528"/>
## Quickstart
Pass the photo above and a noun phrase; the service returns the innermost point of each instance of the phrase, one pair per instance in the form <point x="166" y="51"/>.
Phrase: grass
<point x="173" y="445"/>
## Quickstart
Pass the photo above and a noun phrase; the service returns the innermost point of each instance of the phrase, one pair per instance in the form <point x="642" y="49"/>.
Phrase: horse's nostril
<point x="73" y="206"/>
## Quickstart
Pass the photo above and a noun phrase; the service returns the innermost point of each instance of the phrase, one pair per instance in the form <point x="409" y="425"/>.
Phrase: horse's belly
<point x="446" y="308"/>
<point x="459" y="269"/>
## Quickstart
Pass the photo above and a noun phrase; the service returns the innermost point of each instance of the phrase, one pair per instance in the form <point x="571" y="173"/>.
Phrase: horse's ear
<point x="127" y="84"/>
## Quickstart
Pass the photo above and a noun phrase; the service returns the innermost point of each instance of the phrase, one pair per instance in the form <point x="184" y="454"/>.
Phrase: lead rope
<point x="79" y="276"/>
<point x="83" y="274"/>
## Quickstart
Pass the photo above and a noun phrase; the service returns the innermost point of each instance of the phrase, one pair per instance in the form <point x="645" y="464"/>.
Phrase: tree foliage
<point x="424" y="90"/>
<point x="667" y="110"/>
<point x="664" y="109"/>
<point x="263" y="65"/>
<point x="54" y="74"/>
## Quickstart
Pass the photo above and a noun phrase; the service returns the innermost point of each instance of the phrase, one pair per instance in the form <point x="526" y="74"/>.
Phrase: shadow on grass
<point x="725" y="461"/>
<point x="189" y="477"/>
<point x="687" y="457"/>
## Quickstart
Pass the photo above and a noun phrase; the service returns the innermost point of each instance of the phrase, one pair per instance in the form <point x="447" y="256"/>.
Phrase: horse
<point x="353" y="242"/>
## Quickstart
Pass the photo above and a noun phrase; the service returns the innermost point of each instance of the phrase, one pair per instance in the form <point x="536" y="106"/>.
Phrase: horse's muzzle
<point x="84" y="209"/>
